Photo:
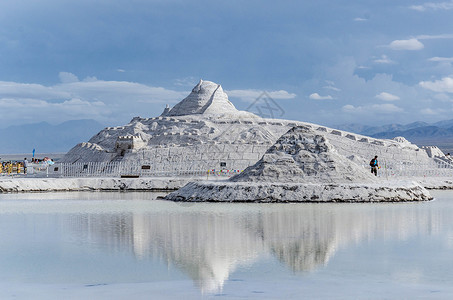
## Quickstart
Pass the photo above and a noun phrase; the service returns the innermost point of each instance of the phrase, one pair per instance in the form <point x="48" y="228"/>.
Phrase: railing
<point x="438" y="168"/>
<point x="131" y="169"/>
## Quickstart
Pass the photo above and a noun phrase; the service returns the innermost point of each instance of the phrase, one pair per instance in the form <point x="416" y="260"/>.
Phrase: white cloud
<point x="386" y="108"/>
<point x="251" y="95"/>
<point x="360" y="19"/>
<point x="331" y="86"/>
<point x="384" y="59"/>
<point x="349" y="108"/>
<point x="66" y="77"/>
<point x="316" y="96"/>
<point x="445" y="85"/>
<point x="55" y="111"/>
<point x="411" y="45"/>
<point x="121" y="91"/>
<point x="105" y="101"/>
<point x="387" y="97"/>
<point x="358" y="96"/>
<point x="435" y="37"/>
<point x="417" y="7"/>
<point x="90" y="79"/>
<point x="372" y="109"/>
<point x="441" y="59"/>
<point x="282" y="94"/>
<point x="329" y="82"/>
<point x="30" y="90"/>
<point x="432" y="112"/>
<point x="11" y="103"/>
<point x="121" y="70"/>
<point x="433" y="6"/>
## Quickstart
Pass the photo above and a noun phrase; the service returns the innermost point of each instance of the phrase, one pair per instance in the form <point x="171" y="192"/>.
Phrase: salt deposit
<point x="206" y="128"/>
<point x="301" y="155"/>
<point x="14" y="185"/>
<point x="206" y="98"/>
<point x="302" y="166"/>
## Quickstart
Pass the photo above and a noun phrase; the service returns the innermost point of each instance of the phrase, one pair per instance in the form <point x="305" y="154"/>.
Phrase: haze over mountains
<point x="45" y="137"/>
<point x="421" y="133"/>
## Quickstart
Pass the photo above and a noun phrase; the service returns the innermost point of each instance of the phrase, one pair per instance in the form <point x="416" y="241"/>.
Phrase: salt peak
<point x="206" y="97"/>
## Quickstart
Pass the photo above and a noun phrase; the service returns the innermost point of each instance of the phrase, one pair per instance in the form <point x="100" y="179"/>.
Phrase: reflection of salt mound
<point x="207" y="247"/>
<point x="206" y="98"/>
<point x="300" y="155"/>
<point x="302" y="240"/>
<point x="302" y="166"/>
<point x="209" y="242"/>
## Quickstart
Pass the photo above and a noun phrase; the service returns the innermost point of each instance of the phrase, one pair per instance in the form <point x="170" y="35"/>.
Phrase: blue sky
<point x="328" y="62"/>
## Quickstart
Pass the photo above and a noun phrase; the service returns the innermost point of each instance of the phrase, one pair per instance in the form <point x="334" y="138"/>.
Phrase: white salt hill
<point x="205" y="129"/>
<point x="206" y="98"/>
<point x="206" y="122"/>
<point x="302" y="166"/>
<point x="202" y="122"/>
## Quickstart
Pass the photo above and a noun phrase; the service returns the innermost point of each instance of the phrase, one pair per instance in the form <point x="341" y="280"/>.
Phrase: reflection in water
<point x="205" y="246"/>
<point x="301" y="239"/>
<point x="209" y="241"/>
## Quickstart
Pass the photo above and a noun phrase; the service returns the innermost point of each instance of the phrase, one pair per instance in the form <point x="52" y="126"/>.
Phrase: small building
<point x="129" y="143"/>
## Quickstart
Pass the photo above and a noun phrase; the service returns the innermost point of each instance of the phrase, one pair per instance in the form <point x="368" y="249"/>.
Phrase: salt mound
<point x="206" y="97"/>
<point x="301" y="155"/>
<point x="205" y="127"/>
<point x="404" y="143"/>
<point x="302" y="166"/>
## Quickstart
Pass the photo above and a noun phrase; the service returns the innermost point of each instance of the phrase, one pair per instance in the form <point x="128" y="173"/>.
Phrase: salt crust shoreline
<point x="439" y="183"/>
<point x="153" y="184"/>
<point x="300" y="192"/>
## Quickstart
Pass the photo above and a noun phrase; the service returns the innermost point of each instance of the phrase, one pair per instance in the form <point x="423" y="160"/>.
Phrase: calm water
<point x="131" y="246"/>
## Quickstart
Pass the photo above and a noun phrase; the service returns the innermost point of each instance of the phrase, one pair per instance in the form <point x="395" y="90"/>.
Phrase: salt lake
<point x="132" y="246"/>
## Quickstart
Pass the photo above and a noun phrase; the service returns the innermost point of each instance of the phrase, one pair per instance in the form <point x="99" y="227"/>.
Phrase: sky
<point x="326" y="62"/>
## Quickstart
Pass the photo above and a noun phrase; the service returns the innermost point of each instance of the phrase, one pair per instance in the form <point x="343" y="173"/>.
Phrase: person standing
<point x="25" y="165"/>
<point x="374" y="165"/>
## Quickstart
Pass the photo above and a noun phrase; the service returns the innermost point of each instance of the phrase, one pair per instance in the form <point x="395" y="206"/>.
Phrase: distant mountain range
<point x="47" y="138"/>
<point x="421" y="133"/>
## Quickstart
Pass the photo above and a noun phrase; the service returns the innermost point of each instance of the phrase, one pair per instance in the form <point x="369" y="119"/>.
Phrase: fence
<point x="131" y="169"/>
<point x="438" y="168"/>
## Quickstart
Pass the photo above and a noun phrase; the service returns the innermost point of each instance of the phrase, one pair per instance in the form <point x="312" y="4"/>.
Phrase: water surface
<point x="129" y="245"/>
